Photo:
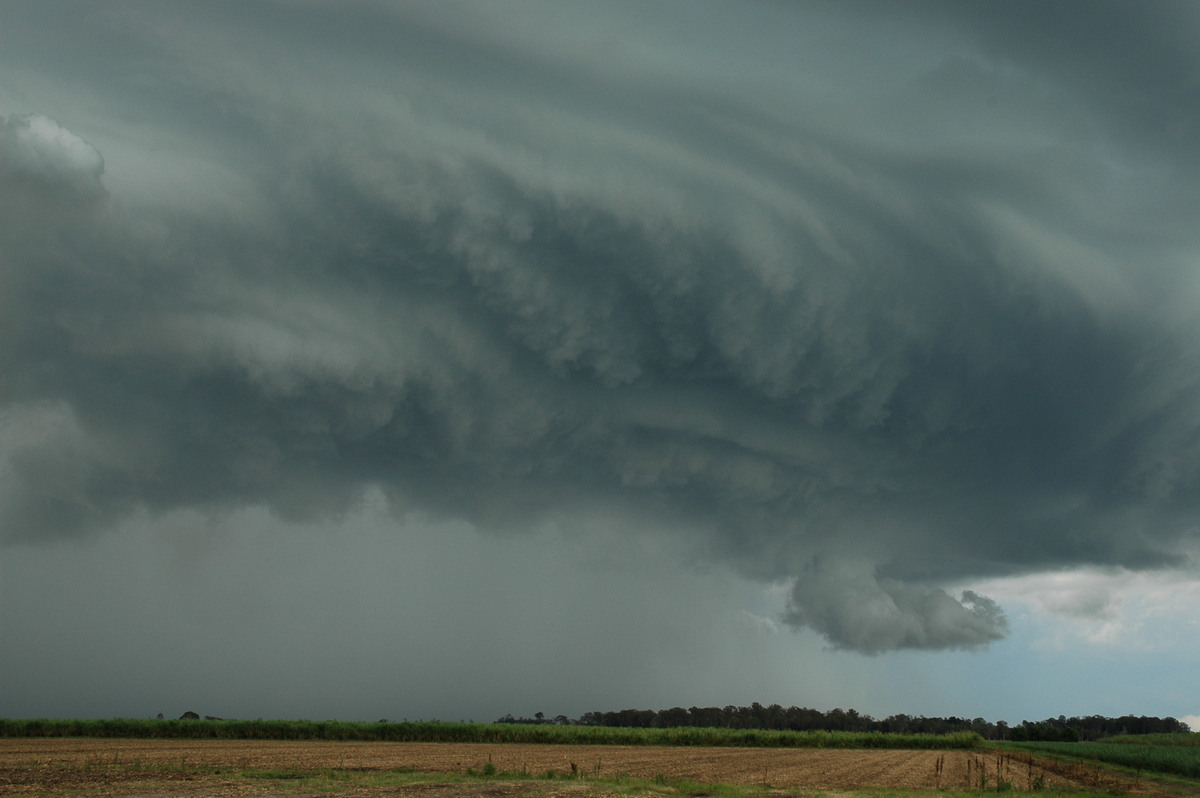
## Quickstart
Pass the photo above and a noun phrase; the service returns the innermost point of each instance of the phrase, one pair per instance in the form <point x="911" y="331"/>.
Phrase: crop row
<point x="434" y="731"/>
<point x="1163" y="757"/>
<point x="1187" y="739"/>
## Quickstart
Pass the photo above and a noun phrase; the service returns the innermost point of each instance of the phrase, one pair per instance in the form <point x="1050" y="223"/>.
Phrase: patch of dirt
<point x="212" y="767"/>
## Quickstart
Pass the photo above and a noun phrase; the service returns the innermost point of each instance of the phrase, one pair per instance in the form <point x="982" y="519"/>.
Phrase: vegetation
<point x="1186" y="738"/>
<point x="1174" y="755"/>
<point x="1094" y="727"/>
<point x="756" y="725"/>
<point x="1159" y="756"/>
<point x="1046" y="732"/>
<point x="757" y="716"/>
<point x="434" y="731"/>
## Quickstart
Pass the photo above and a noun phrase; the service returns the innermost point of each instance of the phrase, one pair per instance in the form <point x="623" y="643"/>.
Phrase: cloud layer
<point x="39" y="153"/>
<point x="874" y="321"/>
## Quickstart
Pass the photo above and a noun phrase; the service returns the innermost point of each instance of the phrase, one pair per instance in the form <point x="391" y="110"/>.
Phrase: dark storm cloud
<point x="877" y="305"/>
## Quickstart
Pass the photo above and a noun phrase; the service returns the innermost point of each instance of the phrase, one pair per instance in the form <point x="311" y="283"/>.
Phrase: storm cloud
<point x="871" y="301"/>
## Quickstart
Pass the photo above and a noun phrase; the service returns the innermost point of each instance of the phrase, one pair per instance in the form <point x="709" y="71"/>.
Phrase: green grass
<point x="1165" y="757"/>
<point x="1191" y="739"/>
<point x="434" y="731"/>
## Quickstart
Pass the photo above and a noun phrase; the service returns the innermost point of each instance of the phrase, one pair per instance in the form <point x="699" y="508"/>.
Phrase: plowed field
<point x="223" y="768"/>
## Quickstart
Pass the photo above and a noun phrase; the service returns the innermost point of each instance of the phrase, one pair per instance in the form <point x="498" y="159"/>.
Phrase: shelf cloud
<point x="837" y="296"/>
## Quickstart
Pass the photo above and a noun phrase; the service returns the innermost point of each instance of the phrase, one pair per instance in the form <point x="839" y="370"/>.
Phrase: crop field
<point x="440" y="732"/>
<point x="1178" y="758"/>
<point x="161" y="767"/>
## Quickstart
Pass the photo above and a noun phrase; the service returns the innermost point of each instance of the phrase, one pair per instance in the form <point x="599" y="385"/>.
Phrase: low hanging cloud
<point x="855" y="610"/>
<point x="875" y="336"/>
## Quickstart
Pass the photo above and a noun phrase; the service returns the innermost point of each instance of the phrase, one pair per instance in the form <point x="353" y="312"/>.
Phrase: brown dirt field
<point x="208" y="767"/>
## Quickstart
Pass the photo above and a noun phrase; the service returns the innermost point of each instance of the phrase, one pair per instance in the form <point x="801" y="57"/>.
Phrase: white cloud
<point x="1107" y="609"/>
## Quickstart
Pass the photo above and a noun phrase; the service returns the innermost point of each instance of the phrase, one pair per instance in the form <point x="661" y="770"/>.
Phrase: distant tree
<point x="1052" y="730"/>
<point x="756" y="716"/>
<point x="673" y="717"/>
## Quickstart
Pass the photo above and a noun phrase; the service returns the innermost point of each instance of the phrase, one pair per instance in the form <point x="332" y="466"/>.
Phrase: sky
<point x="381" y="359"/>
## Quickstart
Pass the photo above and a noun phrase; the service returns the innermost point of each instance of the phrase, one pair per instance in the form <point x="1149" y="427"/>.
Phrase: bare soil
<point x="219" y="768"/>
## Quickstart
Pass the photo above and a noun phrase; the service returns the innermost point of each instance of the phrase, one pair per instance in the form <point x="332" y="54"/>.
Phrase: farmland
<point x="457" y="760"/>
<point x="77" y="766"/>
<point x="433" y="731"/>
<point x="1171" y="754"/>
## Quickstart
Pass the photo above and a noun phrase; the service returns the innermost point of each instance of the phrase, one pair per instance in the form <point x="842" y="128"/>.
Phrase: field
<point x="1174" y="754"/>
<point x="152" y="768"/>
<point x="440" y="732"/>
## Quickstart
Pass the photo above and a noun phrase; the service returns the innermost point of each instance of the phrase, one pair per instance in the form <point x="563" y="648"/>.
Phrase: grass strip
<point x="435" y="731"/>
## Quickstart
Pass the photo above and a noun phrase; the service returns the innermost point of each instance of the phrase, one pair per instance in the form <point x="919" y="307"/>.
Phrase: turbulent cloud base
<point x="871" y="322"/>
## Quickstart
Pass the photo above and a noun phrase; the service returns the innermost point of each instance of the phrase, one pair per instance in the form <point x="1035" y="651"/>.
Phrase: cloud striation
<point x="875" y="322"/>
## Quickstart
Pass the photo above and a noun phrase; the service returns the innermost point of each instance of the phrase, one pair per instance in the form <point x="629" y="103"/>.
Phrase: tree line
<point x="776" y="717"/>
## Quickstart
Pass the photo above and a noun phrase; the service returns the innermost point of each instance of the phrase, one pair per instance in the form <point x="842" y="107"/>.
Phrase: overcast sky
<point x="393" y="359"/>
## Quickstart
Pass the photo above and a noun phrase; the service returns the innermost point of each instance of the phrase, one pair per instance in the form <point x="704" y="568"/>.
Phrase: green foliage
<point x="435" y="731"/>
<point x="1172" y="758"/>
<point x="1045" y="731"/>
<point x="1185" y="738"/>
<point x="757" y="716"/>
